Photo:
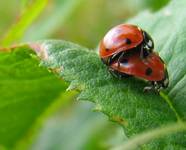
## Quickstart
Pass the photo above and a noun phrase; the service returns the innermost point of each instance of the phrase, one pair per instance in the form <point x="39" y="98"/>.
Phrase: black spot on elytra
<point x="107" y="49"/>
<point x="148" y="71"/>
<point x="127" y="41"/>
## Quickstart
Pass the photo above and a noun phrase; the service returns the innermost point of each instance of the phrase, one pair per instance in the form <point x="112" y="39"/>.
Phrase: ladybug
<point x="122" y="39"/>
<point x="151" y="69"/>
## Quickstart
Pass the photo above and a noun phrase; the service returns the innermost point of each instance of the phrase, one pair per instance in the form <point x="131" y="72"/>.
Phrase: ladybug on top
<point x="128" y="51"/>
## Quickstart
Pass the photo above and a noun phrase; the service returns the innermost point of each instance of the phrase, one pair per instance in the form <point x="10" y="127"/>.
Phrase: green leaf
<point x="26" y="90"/>
<point x="123" y="100"/>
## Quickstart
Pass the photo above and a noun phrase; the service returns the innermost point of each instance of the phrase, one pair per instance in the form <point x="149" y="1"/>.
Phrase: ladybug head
<point x="148" y="44"/>
<point x="163" y="84"/>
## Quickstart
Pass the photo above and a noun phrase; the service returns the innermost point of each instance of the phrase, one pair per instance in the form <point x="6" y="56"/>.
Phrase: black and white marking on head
<point x="150" y="43"/>
<point x="148" y="71"/>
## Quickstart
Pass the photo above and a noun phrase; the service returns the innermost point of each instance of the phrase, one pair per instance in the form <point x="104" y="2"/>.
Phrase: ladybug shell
<point x="120" y="38"/>
<point x="151" y="68"/>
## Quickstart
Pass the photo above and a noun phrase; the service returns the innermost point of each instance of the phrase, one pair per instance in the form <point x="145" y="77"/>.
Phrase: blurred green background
<point x="74" y="126"/>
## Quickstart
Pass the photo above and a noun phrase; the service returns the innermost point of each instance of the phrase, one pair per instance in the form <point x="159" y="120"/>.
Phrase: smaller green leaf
<point x="60" y="103"/>
<point x="26" y="90"/>
<point x="17" y="30"/>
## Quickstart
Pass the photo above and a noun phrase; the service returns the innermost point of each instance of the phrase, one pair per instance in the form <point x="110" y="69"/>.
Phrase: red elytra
<point x="120" y="38"/>
<point x="152" y="68"/>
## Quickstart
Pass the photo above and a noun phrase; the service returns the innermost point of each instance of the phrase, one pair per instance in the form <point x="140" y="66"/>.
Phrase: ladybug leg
<point x="150" y="87"/>
<point x="141" y="52"/>
<point x="155" y="86"/>
<point x="113" y="73"/>
<point x="115" y="57"/>
<point x="117" y="74"/>
<point x="160" y="86"/>
<point x="120" y="57"/>
<point x="112" y="59"/>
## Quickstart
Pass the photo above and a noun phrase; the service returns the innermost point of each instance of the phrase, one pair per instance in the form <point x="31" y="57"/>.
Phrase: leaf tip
<point x="97" y="108"/>
<point x="40" y="49"/>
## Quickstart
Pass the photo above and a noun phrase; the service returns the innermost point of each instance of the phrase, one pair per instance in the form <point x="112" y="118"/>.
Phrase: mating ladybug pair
<point x="128" y="51"/>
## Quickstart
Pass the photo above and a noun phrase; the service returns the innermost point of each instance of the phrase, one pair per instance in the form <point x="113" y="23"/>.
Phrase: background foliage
<point x="37" y="113"/>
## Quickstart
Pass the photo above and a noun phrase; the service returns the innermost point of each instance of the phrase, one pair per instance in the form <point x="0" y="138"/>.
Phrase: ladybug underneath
<point x="152" y="69"/>
<point x="123" y="38"/>
<point x="128" y="51"/>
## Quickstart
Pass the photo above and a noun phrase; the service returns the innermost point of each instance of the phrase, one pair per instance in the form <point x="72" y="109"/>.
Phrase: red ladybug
<point x="123" y="38"/>
<point x="152" y="68"/>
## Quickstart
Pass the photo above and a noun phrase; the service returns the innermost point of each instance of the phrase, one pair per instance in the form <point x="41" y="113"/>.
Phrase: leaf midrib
<point x="169" y="102"/>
